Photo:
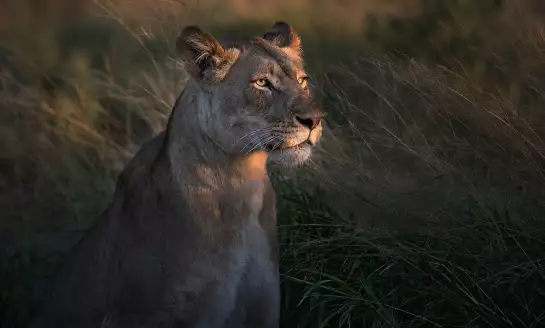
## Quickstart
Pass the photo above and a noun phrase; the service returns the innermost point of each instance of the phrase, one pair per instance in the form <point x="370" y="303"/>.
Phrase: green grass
<point x="487" y="272"/>
<point x="423" y="207"/>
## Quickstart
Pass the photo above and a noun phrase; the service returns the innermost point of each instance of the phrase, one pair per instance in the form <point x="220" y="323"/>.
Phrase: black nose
<point x="310" y="122"/>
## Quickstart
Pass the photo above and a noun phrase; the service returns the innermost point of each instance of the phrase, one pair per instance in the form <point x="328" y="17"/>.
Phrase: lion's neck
<point x="190" y="149"/>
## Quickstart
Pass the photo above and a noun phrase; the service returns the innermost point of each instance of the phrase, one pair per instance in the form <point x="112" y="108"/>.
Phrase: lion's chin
<point x="292" y="156"/>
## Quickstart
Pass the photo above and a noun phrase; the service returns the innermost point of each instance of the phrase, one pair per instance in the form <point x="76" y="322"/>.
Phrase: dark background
<point x="423" y="206"/>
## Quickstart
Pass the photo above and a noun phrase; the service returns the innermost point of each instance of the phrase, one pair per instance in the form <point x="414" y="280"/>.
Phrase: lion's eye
<point x="303" y="81"/>
<point x="261" y="83"/>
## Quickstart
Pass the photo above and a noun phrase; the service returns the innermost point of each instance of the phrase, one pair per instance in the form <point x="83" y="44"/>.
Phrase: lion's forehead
<point x="258" y="50"/>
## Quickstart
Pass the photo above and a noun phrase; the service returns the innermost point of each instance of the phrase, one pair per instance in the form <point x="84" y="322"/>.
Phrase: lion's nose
<point x="310" y="122"/>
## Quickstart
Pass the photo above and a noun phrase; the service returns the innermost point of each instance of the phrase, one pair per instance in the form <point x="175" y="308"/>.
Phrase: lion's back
<point x="81" y="293"/>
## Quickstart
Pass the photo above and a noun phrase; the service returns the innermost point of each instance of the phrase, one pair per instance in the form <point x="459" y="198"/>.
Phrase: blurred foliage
<point x="457" y="28"/>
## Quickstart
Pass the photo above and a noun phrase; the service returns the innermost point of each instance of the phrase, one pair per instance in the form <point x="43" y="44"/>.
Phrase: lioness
<point x="189" y="239"/>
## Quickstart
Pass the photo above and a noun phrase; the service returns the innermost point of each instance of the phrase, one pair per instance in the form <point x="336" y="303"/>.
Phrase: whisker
<point x="280" y="141"/>
<point x="252" y="134"/>
<point x="256" y="140"/>
<point x="263" y="143"/>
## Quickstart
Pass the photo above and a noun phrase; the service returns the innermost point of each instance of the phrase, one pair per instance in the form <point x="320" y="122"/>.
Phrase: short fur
<point x="189" y="239"/>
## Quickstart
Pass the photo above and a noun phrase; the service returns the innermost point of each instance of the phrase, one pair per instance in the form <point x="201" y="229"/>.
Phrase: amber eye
<point x="261" y="83"/>
<point x="303" y="81"/>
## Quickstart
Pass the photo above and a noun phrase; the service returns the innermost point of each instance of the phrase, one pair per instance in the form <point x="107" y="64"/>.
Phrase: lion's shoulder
<point x="142" y="162"/>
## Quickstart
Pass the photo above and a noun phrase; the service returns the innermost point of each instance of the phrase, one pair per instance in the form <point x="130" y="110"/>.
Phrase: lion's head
<point x="256" y="93"/>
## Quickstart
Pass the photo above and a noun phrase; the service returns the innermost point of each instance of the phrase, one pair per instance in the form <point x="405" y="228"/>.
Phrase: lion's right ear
<point x="203" y="56"/>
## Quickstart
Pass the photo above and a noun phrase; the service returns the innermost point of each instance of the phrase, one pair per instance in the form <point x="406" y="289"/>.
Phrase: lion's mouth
<point x="276" y="147"/>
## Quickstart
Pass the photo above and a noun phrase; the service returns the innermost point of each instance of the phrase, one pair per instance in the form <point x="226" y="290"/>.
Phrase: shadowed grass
<point x="488" y="272"/>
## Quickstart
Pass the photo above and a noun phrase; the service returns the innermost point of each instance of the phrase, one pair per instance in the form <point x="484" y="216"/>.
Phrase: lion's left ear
<point x="284" y="36"/>
<point x="204" y="57"/>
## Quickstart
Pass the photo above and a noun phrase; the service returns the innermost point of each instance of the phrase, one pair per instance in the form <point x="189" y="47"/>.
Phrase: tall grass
<point x="486" y="273"/>
<point x="423" y="206"/>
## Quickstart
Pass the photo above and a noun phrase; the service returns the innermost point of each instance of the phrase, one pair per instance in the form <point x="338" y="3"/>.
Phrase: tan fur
<point x="189" y="239"/>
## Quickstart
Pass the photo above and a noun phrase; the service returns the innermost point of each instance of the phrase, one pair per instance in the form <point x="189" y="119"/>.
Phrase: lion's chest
<point x="258" y="283"/>
<point x="257" y="294"/>
<point x="243" y="202"/>
<point x="242" y="280"/>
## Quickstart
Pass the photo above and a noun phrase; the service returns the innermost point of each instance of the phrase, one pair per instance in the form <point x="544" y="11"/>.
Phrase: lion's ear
<point x="284" y="36"/>
<point x="203" y="55"/>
